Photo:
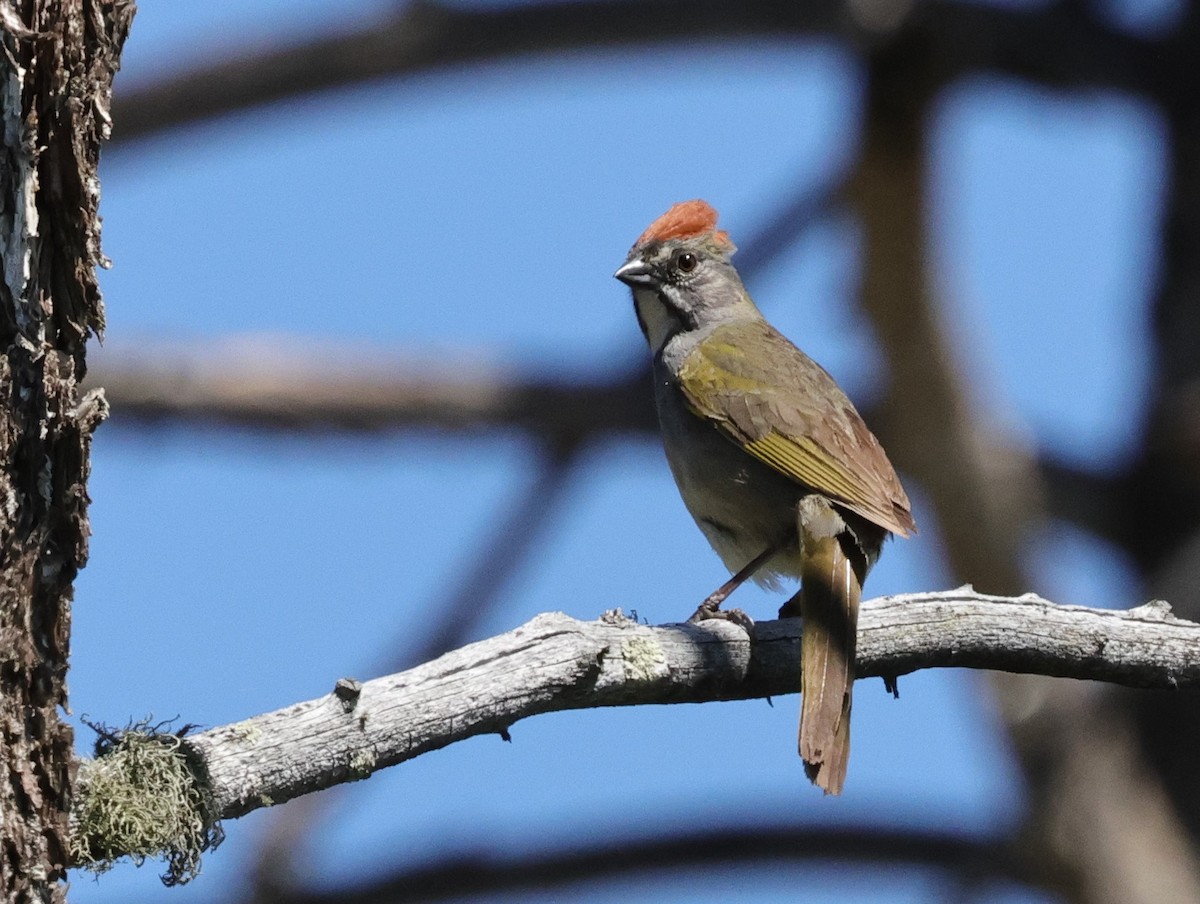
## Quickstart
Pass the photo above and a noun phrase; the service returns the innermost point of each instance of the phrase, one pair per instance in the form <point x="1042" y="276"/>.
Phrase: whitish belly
<point x="741" y="505"/>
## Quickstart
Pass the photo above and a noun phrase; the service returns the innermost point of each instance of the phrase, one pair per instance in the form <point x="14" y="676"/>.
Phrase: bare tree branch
<point x="468" y="601"/>
<point x="987" y="495"/>
<point x="971" y="860"/>
<point x="1025" y="42"/>
<point x="279" y="382"/>
<point x="556" y="663"/>
<point x="284" y="383"/>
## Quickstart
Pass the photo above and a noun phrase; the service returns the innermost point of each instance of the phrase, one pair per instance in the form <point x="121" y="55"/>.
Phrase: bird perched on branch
<point x="772" y="459"/>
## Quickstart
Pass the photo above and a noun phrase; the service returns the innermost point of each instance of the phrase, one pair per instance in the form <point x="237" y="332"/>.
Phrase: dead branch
<point x="556" y="663"/>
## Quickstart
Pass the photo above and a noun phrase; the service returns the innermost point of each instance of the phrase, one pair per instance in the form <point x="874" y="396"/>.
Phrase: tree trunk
<point x="55" y="89"/>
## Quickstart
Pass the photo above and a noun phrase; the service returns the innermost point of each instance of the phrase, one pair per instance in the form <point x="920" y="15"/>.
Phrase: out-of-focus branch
<point x="1161" y="514"/>
<point x="1105" y="833"/>
<point x="286" y="384"/>
<point x="280" y="383"/>
<point x="987" y="493"/>
<point x="468" y="600"/>
<point x="967" y="860"/>
<point x="518" y="532"/>
<point x="1025" y="42"/>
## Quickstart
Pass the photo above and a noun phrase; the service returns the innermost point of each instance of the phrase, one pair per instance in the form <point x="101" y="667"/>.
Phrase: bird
<point x="771" y="458"/>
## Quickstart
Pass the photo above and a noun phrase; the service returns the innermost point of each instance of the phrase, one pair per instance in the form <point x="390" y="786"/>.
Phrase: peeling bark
<point x="56" y="71"/>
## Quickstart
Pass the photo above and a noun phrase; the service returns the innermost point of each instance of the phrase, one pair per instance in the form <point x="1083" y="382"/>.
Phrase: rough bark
<point x="56" y="71"/>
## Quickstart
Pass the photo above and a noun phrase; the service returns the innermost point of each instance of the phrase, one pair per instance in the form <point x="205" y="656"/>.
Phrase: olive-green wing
<point x="785" y="410"/>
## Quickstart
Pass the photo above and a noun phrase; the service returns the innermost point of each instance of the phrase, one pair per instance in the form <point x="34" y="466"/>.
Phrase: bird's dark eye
<point x="686" y="262"/>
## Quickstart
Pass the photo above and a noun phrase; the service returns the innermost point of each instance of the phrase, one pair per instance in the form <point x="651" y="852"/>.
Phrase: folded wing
<point x="795" y="419"/>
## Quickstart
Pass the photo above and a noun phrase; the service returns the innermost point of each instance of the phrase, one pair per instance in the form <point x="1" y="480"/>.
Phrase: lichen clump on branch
<point x="141" y="797"/>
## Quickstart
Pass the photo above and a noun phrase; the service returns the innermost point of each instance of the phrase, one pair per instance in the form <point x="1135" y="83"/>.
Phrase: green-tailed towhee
<point x="770" y="456"/>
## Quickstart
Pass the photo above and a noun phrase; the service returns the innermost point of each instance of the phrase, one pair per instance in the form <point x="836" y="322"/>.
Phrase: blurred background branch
<point x="974" y="865"/>
<point x="963" y="38"/>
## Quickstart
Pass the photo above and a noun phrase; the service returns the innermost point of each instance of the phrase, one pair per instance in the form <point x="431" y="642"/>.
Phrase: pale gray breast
<point x="741" y="505"/>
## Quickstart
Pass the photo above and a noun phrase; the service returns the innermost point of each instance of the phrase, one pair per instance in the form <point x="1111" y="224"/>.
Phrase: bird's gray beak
<point x="635" y="273"/>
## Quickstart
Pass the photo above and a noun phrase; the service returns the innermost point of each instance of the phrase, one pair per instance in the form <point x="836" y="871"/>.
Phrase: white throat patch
<point x="653" y="314"/>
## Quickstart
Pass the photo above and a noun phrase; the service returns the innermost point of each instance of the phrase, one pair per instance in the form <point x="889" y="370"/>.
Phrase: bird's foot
<point x="711" y="609"/>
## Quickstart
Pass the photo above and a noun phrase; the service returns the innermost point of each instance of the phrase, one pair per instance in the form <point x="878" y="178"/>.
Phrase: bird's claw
<point x="711" y="609"/>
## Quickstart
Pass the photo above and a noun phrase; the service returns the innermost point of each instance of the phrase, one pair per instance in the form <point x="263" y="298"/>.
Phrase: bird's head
<point x="681" y="275"/>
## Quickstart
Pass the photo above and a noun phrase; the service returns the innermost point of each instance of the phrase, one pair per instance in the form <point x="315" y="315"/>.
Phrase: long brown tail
<point x="829" y="605"/>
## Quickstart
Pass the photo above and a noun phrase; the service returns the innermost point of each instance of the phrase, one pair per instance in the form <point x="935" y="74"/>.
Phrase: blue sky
<point x="481" y="213"/>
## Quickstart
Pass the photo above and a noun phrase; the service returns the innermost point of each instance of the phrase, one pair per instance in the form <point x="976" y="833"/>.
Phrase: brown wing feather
<point x="795" y="419"/>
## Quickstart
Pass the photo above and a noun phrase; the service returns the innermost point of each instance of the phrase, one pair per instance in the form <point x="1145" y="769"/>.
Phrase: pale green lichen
<point x="142" y="797"/>
<point x="643" y="658"/>
<point x="246" y="732"/>
<point x="362" y="764"/>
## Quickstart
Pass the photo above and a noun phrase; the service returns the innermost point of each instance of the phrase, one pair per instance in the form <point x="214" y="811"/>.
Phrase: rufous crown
<point x="685" y="220"/>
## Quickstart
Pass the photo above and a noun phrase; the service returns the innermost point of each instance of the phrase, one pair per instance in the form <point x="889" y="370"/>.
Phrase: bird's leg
<point x="711" y="607"/>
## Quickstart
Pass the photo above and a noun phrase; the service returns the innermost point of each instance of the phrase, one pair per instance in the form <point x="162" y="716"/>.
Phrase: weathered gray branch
<point x="557" y="663"/>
